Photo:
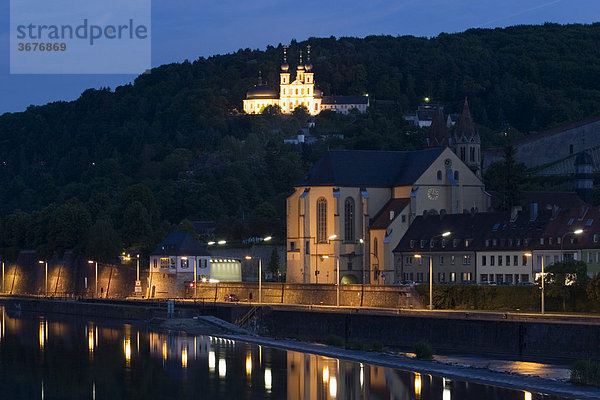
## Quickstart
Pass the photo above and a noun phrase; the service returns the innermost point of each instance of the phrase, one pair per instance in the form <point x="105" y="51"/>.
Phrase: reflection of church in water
<point x="299" y="92"/>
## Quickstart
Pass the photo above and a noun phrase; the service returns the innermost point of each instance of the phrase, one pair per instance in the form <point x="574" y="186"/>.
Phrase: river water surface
<point x="75" y="358"/>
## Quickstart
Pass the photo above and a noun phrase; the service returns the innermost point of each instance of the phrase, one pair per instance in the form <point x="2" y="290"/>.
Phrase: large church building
<point x="299" y="92"/>
<point x="354" y="207"/>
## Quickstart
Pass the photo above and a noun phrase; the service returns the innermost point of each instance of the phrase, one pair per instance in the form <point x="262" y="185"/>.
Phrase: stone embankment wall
<point x="468" y="334"/>
<point x="67" y="277"/>
<point x="278" y="293"/>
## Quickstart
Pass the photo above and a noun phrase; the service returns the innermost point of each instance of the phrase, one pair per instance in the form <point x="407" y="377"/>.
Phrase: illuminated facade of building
<point x="299" y="92"/>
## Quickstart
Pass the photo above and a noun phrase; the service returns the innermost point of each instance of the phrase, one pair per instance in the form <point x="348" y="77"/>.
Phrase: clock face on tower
<point x="433" y="193"/>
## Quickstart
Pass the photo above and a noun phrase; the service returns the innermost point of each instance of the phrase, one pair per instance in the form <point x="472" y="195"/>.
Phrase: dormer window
<point x="542" y="240"/>
<point x="423" y="243"/>
<point x="412" y="244"/>
<point x="550" y="240"/>
<point x="494" y="242"/>
<point x="487" y="242"/>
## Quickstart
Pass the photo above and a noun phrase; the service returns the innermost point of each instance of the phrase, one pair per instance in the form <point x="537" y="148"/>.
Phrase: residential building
<point x="177" y="257"/>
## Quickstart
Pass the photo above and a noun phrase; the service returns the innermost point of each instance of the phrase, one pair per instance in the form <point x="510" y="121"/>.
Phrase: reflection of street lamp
<point x="562" y="240"/>
<point x="259" y="276"/>
<point x="95" y="262"/>
<point x="430" y="256"/>
<point x="543" y="277"/>
<point x="46" y="263"/>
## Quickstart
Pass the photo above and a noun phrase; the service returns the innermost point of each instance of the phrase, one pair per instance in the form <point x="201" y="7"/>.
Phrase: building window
<point x="570" y="149"/>
<point x="456" y="175"/>
<point x="550" y="240"/>
<point x="508" y="261"/>
<point x="492" y="260"/>
<point x="412" y="244"/>
<point x="164" y="262"/>
<point x="403" y="218"/>
<point x="462" y="153"/>
<point x="598" y="257"/>
<point x="472" y="154"/>
<point x="375" y="247"/>
<point x="349" y="265"/>
<point x="349" y="219"/>
<point x="452" y="276"/>
<point x="483" y="261"/>
<point x="515" y="261"/>
<point x="499" y="261"/>
<point x="441" y="260"/>
<point x="483" y="278"/>
<point x="589" y="257"/>
<point x="185" y="263"/>
<point x="524" y="260"/>
<point x="439" y="175"/>
<point x="452" y="259"/>
<point x="322" y="220"/>
<point x="408" y="260"/>
<point x="173" y="262"/>
<point x="155" y="263"/>
<point x="292" y="246"/>
<point x="307" y="248"/>
<point x="467" y="260"/>
<point x="542" y="240"/>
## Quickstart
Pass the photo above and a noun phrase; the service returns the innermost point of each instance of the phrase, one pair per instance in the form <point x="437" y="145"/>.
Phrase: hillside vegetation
<point x="120" y="168"/>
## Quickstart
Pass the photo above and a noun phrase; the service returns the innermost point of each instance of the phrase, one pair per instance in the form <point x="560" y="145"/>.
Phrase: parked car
<point x="525" y="283"/>
<point x="231" y="297"/>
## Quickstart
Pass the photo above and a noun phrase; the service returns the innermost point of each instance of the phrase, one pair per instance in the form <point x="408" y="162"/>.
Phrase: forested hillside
<point x="118" y="168"/>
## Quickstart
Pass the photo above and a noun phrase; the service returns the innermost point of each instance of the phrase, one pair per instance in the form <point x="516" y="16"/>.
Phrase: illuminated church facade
<point x="299" y="92"/>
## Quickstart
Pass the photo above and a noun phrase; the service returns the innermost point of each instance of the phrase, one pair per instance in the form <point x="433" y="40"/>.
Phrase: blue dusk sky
<point x="188" y="29"/>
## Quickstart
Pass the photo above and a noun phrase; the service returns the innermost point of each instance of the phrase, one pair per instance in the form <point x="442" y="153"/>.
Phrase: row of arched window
<point x="349" y="220"/>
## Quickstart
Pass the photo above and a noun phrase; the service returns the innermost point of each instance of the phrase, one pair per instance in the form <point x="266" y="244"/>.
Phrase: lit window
<point x="349" y="219"/>
<point x="321" y="220"/>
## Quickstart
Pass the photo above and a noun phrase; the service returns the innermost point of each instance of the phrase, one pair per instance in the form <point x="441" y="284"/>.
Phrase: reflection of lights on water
<point x="43" y="334"/>
<point x="184" y="357"/>
<point x="248" y="365"/>
<point x="527" y="396"/>
<point x="446" y="395"/>
<point x="127" y="349"/>
<point x="268" y="379"/>
<point x="325" y="374"/>
<point x="222" y="368"/>
<point x="164" y="351"/>
<point x="333" y="387"/>
<point x="418" y="385"/>
<point x="362" y="375"/>
<point x="91" y="341"/>
<point x="94" y="390"/>
<point x="211" y="361"/>
<point x="42" y="390"/>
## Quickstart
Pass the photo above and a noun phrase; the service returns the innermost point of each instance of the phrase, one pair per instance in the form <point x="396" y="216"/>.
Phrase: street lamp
<point x="543" y="278"/>
<point x="337" y="273"/>
<point x="46" y="263"/>
<point x="562" y="240"/>
<point x="96" y="280"/>
<point x="137" y="272"/>
<point x="259" y="276"/>
<point x="430" y="256"/>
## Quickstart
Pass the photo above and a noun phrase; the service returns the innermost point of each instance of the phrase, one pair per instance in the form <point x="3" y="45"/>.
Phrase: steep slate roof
<point x="361" y="168"/>
<point x="478" y="228"/>
<point x="345" y="100"/>
<point x="180" y="243"/>
<point x="382" y="219"/>
<point x="438" y="134"/>
<point x="465" y="127"/>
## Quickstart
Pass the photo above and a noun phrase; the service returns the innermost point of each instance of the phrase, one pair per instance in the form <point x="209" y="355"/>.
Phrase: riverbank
<point x="444" y="367"/>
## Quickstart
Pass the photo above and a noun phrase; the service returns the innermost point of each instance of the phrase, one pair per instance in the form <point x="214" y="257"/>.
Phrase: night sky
<point x="187" y="29"/>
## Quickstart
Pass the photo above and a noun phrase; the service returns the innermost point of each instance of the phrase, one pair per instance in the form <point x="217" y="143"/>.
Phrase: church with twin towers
<point x="299" y="92"/>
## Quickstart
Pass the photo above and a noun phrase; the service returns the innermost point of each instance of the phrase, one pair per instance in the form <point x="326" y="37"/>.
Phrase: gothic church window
<point x="349" y="219"/>
<point x="322" y="220"/>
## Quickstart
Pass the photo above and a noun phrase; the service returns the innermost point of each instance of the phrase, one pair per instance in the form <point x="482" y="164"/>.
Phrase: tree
<point x="593" y="288"/>
<point x="274" y="264"/>
<point x="103" y="242"/>
<point x="563" y="278"/>
<point x="507" y="179"/>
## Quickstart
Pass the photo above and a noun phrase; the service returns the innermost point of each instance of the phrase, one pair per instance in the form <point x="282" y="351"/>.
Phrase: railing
<point x="244" y="320"/>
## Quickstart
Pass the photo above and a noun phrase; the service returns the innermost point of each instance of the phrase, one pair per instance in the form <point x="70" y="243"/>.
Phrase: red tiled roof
<point x="382" y="219"/>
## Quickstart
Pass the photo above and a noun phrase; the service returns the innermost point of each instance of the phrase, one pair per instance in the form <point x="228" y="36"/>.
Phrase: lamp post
<point x="259" y="276"/>
<point x="543" y="309"/>
<point x="562" y="239"/>
<point x="46" y="264"/>
<point x="337" y="273"/>
<point x="96" y="278"/>
<point x="430" y="256"/>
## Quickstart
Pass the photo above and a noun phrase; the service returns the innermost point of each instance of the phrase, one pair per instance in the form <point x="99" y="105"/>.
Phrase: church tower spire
<point x="300" y="70"/>
<point x="468" y="141"/>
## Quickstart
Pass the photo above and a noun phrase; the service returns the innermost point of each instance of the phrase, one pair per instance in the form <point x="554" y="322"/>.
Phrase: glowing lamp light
<point x="333" y="387"/>
<point x="184" y="357"/>
<point x="210" y="243"/>
<point x="127" y="349"/>
<point x="527" y="396"/>
<point x="222" y="242"/>
<point x="211" y="361"/>
<point x="222" y="368"/>
<point x="578" y="231"/>
<point x="325" y="374"/>
<point x="267" y="238"/>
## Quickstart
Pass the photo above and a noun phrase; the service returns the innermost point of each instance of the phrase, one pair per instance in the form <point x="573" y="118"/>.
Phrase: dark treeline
<point x="118" y="169"/>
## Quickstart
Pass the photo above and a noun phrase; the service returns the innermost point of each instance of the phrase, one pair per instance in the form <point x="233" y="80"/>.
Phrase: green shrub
<point x="586" y="372"/>
<point x="423" y="350"/>
<point x="377" y="346"/>
<point x="334" y="340"/>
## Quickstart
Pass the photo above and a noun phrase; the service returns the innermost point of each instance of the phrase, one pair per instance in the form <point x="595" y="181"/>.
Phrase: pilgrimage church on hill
<point x="299" y="92"/>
